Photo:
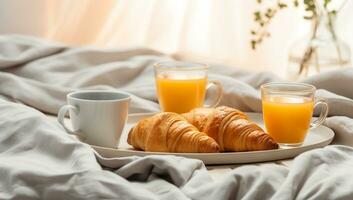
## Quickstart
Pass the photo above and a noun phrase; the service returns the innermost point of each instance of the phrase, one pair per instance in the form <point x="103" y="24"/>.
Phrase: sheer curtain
<point x="213" y="31"/>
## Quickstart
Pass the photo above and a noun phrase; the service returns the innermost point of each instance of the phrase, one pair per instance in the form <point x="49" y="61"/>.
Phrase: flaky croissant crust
<point x="170" y="132"/>
<point x="231" y="128"/>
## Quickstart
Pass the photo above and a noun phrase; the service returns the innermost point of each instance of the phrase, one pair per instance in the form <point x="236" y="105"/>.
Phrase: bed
<point x="39" y="160"/>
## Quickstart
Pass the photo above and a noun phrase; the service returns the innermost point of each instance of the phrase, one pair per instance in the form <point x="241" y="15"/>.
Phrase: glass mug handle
<point x="323" y="113"/>
<point x="219" y="89"/>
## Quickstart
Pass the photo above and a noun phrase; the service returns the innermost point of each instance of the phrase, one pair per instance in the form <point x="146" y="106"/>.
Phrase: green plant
<point x="314" y="9"/>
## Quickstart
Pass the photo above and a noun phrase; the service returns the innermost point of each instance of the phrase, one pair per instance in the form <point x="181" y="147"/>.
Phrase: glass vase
<point x="319" y="51"/>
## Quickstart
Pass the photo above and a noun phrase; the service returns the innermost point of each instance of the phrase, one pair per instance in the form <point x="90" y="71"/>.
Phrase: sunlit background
<point x="195" y="30"/>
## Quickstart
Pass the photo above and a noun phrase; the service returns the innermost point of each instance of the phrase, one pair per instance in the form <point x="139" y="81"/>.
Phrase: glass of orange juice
<point x="287" y="111"/>
<point x="181" y="86"/>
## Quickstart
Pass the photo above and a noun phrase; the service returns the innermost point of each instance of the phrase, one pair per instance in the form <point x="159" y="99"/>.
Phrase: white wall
<point x="38" y="17"/>
<point x="22" y="17"/>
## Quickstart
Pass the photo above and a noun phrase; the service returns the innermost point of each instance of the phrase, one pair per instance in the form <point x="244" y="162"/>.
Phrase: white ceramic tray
<point x="318" y="137"/>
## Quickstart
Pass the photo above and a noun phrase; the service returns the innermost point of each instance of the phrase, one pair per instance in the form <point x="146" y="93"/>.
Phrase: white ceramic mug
<point x="97" y="116"/>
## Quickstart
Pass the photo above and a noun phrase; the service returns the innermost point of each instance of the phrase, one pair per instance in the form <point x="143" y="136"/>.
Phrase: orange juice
<point x="180" y="94"/>
<point x="287" y="118"/>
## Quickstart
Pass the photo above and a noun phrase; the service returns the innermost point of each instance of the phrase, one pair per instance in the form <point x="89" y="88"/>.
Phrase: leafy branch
<point x="263" y="18"/>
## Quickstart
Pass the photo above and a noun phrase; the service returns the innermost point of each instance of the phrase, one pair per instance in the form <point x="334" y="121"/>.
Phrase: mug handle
<point x="61" y="115"/>
<point x="219" y="88"/>
<point x="323" y="113"/>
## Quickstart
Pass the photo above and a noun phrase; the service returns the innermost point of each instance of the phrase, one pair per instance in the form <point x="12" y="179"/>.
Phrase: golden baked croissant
<point x="231" y="128"/>
<point x="170" y="132"/>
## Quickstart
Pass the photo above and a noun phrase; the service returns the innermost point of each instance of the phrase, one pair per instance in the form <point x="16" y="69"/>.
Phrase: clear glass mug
<point x="287" y="111"/>
<point x="182" y="86"/>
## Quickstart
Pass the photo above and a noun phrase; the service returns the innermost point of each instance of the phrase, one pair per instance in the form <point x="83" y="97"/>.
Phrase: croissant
<point x="170" y="132"/>
<point x="231" y="128"/>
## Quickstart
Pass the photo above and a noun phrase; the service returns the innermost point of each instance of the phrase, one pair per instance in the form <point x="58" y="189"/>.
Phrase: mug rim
<point x="197" y="66"/>
<point x="126" y="98"/>
<point x="306" y="87"/>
